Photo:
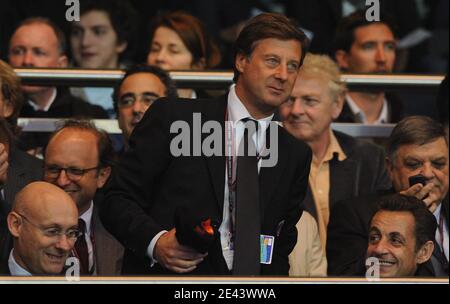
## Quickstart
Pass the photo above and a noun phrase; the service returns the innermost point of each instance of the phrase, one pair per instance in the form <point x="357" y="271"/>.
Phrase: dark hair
<point x="11" y="91"/>
<point x="60" y="37"/>
<point x="425" y="222"/>
<point x="6" y="132"/>
<point x="106" y="153"/>
<point x="170" y="92"/>
<point x="123" y="18"/>
<point x="193" y="34"/>
<point x="263" y="26"/>
<point x="345" y="32"/>
<point x="414" y="130"/>
<point x="442" y="102"/>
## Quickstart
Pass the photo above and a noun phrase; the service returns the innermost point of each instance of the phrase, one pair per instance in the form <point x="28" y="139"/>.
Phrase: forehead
<point x="74" y="144"/>
<point x="51" y="207"/>
<point x="291" y="49"/>
<point x="401" y="222"/>
<point x="432" y="150"/>
<point x="34" y="34"/>
<point x="167" y="35"/>
<point x="94" y="18"/>
<point x="373" y="32"/>
<point x="142" y="82"/>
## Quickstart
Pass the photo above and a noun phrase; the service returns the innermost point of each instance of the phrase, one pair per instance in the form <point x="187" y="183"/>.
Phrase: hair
<point x="345" y="32"/>
<point x="194" y="35"/>
<point x="106" y="153"/>
<point x="170" y="92"/>
<point x="442" y="102"/>
<point x="414" y="130"/>
<point x="425" y="222"/>
<point x="264" y="26"/>
<point x="6" y="133"/>
<point x="11" y="91"/>
<point x="123" y="18"/>
<point x="60" y="37"/>
<point x="325" y="68"/>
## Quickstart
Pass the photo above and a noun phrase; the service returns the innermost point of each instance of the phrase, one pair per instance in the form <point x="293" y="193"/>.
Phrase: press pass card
<point x="267" y="243"/>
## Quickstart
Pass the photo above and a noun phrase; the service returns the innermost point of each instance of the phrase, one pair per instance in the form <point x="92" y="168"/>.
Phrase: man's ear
<point x="14" y="224"/>
<point x="342" y="59"/>
<point x="63" y="62"/>
<point x="425" y="252"/>
<point x="103" y="176"/>
<point x="121" y="47"/>
<point x="240" y="62"/>
<point x="338" y="104"/>
<point x="389" y="167"/>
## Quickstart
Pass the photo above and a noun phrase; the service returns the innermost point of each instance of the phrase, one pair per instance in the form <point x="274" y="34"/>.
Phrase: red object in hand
<point x="205" y="228"/>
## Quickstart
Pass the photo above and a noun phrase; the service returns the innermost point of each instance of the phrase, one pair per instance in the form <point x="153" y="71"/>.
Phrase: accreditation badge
<point x="267" y="243"/>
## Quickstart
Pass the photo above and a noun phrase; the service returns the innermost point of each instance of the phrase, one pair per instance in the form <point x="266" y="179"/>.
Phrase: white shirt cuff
<point x="151" y="247"/>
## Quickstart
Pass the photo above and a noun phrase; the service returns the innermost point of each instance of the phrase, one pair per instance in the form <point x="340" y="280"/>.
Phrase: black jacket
<point x="149" y="184"/>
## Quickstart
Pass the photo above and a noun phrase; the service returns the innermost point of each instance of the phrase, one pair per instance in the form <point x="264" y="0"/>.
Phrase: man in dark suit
<point x="79" y="160"/>
<point x="365" y="47"/>
<point x="38" y="42"/>
<point x="401" y="238"/>
<point x="17" y="169"/>
<point x="417" y="145"/>
<point x="153" y="181"/>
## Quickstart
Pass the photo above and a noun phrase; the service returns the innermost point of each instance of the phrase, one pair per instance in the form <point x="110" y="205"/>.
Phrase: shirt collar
<point x="437" y="212"/>
<point x="334" y="148"/>
<point x="237" y="111"/>
<point x="87" y="218"/>
<point x="49" y="103"/>
<point x="15" y="268"/>
<point x="361" y="117"/>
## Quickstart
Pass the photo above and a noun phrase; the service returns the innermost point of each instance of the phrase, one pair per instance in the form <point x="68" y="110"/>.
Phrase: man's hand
<point x="425" y="194"/>
<point x="175" y="257"/>
<point x="3" y="164"/>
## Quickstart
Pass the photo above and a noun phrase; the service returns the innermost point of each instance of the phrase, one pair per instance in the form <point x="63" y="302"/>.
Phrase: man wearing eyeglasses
<point x="78" y="159"/>
<point x="138" y="89"/>
<point x="44" y="226"/>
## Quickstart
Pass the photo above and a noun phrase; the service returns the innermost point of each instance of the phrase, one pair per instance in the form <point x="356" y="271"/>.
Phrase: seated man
<point x="366" y="47"/>
<point x="79" y="159"/>
<point x="138" y="89"/>
<point x="37" y="42"/>
<point x="401" y="237"/>
<point x="417" y="146"/>
<point x="43" y="223"/>
<point x="342" y="166"/>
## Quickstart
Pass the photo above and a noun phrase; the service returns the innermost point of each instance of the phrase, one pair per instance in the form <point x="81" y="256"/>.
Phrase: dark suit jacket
<point x="348" y="232"/>
<point x="149" y="184"/>
<point x="395" y="111"/>
<point x="361" y="173"/>
<point x="108" y="251"/>
<point x="23" y="169"/>
<point x="65" y="105"/>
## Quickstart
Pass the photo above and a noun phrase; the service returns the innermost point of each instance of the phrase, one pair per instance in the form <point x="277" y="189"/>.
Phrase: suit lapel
<point x="215" y="111"/>
<point x="342" y="186"/>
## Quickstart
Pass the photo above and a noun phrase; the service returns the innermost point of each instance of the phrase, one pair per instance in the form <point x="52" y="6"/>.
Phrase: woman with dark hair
<point x="180" y="42"/>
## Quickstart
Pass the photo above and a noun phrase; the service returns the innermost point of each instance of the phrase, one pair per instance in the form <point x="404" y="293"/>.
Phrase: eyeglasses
<point x="53" y="232"/>
<point x="128" y="99"/>
<point x="73" y="173"/>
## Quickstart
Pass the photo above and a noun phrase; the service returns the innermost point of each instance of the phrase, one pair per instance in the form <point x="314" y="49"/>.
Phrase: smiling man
<point x="44" y="226"/>
<point x="78" y="159"/>
<point x="401" y="236"/>
<point x="150" y="185"/>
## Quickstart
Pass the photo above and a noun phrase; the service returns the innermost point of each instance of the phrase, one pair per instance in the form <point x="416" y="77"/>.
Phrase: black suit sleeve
<point x="129" y="195"/>
<point x="346" y="240"/>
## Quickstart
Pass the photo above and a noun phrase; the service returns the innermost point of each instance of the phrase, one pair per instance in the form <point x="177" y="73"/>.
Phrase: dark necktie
<point x="248" y="223"/>
<point x="81" y="248"/>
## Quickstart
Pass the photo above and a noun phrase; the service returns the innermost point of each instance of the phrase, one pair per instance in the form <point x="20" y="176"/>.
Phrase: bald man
<point x="43" y="223"/>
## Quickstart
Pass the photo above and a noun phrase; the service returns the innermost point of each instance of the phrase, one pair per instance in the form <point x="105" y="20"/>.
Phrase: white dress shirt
<point x="437" y="215"/>
<point x="14" y="268"/>
<point x="383" y="118"/>
<point x="47" y="106"/>
<point x="87" y="218"/>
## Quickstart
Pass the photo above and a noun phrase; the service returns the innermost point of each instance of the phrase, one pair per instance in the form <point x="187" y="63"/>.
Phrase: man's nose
<point x="427" y="171"/>
<point x="297" y="107"/>
<point x="64" y="243"/>
<point x="282" y="72"/>
<point x="28" y="59"/>
<point x="380" y="54"/>
<point x="63" y="179"/>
